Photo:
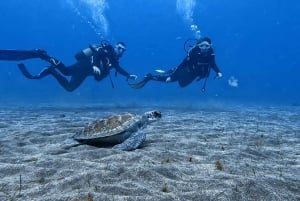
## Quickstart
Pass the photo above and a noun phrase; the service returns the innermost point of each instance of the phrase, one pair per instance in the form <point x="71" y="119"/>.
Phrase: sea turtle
<point x="124" y="130"/>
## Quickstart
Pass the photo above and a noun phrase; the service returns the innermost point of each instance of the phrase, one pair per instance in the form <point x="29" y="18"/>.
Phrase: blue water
<point x="256" y="43"/>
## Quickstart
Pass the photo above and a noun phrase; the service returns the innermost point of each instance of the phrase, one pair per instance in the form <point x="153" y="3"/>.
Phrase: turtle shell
<point x="112" y="129"/>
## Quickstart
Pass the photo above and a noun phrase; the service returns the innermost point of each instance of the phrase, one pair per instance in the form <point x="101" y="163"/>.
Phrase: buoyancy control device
<point x="89" y="51"/>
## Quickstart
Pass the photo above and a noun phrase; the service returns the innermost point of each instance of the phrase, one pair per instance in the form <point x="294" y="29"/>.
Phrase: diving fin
<point x="43" y="73"/>
<point x="25" y="72"/>
<point x="142" y="83"/>
<point x="18" y="55"/>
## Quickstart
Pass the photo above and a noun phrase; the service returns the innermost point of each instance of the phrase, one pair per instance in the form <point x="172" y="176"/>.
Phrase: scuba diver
<point x="96" y="61"/>
<point x="197" y="64"/>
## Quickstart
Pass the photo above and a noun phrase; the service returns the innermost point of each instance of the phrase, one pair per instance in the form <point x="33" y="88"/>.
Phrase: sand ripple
<point x="240" y="153"/>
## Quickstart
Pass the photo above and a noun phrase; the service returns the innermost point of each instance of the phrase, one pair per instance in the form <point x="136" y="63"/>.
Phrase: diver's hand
<point x="168" y="79"/>
<point x="160" y="71"/>
<point x="96" y="70"/>
<point x="133" y="77"/>
<point x="219" y="75"/>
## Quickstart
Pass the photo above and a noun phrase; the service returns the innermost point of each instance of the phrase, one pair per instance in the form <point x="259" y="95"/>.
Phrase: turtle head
<point x="152" y="115"/>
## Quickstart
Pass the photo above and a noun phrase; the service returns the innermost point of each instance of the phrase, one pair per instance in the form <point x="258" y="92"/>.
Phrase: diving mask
<point x="121" y="47"/>
<point x="204" y="46"/>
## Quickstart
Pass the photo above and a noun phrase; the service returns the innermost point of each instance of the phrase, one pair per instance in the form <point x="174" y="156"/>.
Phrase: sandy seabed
<point x="233" y="153"/>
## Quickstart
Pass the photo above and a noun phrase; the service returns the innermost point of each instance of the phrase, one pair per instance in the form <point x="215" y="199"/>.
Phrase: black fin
<point x="45" y="72"/>
<point x="18" y="55"/>
<point x="25" y="72"/>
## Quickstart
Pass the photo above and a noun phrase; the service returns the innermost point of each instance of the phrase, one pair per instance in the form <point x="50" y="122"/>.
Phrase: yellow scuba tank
<point x="86" y="53"/>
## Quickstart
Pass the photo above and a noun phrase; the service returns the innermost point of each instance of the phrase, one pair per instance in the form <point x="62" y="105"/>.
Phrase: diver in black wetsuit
<point x="197" y="64"/>
<point x="93" y="61"/>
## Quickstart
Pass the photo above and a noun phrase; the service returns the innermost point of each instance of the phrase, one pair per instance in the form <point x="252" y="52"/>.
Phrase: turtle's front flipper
<point x="132" y="143"/>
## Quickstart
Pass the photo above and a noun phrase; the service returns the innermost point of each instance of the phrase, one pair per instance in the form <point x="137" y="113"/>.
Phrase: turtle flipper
<point x="132" y="143"/>
<point x="69" y="143"/>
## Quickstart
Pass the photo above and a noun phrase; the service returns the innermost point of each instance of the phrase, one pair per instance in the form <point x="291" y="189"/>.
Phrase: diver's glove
<point x="96" y="70"/>
<point x="219" y="75"/>
<point x="132" y="77"/>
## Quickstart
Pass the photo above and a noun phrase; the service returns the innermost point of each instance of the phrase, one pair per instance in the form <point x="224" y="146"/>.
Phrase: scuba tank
<point x="89" y="51"/>
<point x="86" y="53"/>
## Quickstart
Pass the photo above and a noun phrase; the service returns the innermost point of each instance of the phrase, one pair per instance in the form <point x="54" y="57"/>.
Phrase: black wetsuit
<point x="195" y="65"/>
<point x="105" y="59"/>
